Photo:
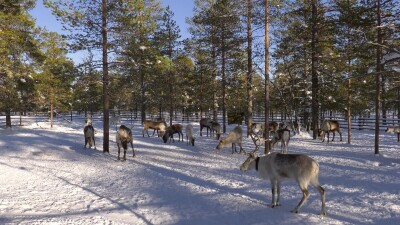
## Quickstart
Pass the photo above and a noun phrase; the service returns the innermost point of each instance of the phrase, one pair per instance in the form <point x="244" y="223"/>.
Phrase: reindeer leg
<point x="333" y="138"/>
<point x="322" y="193"/>
<point x="86" y="141"/>
<point x="124" y="159"/>
<point x="278" y="194"/>
<point x="94" y="143"/>
<point x="306" y="194"/>
<point x="133" y="150"/>
<point x="118" y="151"/>
<point x="273" y="190"/>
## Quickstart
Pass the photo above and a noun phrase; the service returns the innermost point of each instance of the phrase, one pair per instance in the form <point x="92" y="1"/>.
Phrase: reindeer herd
<point x="274" y="166"/>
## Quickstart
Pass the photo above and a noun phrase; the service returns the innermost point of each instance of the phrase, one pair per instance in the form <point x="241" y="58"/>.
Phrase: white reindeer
<point x="282" y="135"/>
<point x="189" y="134"/>
<point x="88" y="132"/>
<point x="234" y="137"/>
<point x="276" y="167"/>
<point x="123" y="137"/>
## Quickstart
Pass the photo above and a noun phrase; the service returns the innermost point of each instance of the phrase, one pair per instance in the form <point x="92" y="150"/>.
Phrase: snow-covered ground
<point x="47" y="177"/>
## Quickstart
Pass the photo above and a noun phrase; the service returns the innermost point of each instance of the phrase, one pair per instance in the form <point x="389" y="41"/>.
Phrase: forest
<point x="297" y="59"/>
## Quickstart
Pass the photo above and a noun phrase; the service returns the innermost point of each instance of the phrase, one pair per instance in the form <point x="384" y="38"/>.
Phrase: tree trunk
<point x="106" y="106"/>
<point x="249" y="68"/>
<point x="223" y="84"/>
<point x="378" y="76"/>
<point x="266" y="103"/>
<point x="51" y="109"/>
<point x="349" y="99"/>
<point x="314" y="74"/>
<point x="8" y="118"/>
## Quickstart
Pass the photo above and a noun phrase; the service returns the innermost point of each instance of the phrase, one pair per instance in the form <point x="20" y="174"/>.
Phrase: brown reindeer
<point x="155" y="125"/>
<point x="170" y="131"/>
<point x="327" y="127"/>
<point x="123" y="137"/>
<point x="205" y="123"/>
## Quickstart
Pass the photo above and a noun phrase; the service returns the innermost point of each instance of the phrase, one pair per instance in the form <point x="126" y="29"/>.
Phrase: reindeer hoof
<point x="294" y="211"/>
<point x="323" y="213"/>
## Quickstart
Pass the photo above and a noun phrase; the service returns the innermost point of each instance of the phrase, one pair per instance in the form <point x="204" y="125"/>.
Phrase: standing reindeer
<point x="123" y="137"/>
<point x="276" y="167"/>
<point x="282" y="135"/>
<point x="329" y="126"/>
<point x="205" y="123"/>
<point x="88" y="131"/>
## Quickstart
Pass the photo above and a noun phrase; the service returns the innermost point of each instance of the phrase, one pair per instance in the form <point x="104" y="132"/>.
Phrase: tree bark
<point x="249" y="68"/>
<point x="106" y="106"/>
<point x="8" y="118"/>
<point x="266" y="103"/>
<point x="378" y="75"/>
<point x="314" y="74"/>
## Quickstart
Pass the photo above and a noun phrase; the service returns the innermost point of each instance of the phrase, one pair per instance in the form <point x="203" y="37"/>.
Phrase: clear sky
<point x="181" y="8"/>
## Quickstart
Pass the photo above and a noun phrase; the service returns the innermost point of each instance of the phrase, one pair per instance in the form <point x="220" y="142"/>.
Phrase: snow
<point x="47" y="177"/>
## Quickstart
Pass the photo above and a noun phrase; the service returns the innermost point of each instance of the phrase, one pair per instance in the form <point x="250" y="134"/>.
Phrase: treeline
<point x="325" y="56"/>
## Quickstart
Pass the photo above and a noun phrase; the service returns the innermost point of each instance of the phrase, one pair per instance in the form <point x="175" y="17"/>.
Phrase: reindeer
<point x="282" y="135"/>
<point x="216" y="128"/>
<point x="259" y="128"/>
<point x="277" y="167"/>
<point x="170" y="131"/>
<point x="329" y="126"/>
<point x="88" y="121"/>
<point x="189" y="134"/>
<point x="207" y="123"/>
<point x="88" y="132"/>
<point x="123" y="137"/>
<point x="394" y="130"/>
<point x="155" y="125"/>
<point x="234" y="137"/>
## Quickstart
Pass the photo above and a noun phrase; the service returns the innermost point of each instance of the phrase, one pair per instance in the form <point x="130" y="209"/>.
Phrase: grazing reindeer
<point x="189" y="134"/>
<point x="394" y="130"/>
<point x="282" y="135"/>
<point x="155" y="125"/>
<point x="207" y="123"/>
<point x="170" y="131"/>
<point x="216" y="127"/>
<point x="123" y="137"/>
<point x="234" y="137"/>
<point x="276" y="167"/>
<point x="88" y="131"/>
<point x="329" y="126"/>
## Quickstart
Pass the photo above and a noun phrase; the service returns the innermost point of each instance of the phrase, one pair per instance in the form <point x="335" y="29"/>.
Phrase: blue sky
<point x="181" y="8"/>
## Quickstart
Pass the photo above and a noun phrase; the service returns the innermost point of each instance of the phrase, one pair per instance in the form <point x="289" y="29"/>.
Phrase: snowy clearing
<point x="47" y="177"/>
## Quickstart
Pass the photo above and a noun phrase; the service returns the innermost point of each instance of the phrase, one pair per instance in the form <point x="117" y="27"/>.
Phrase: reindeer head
<point x="245" y="166"/>
<point x="221" y="144"/>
